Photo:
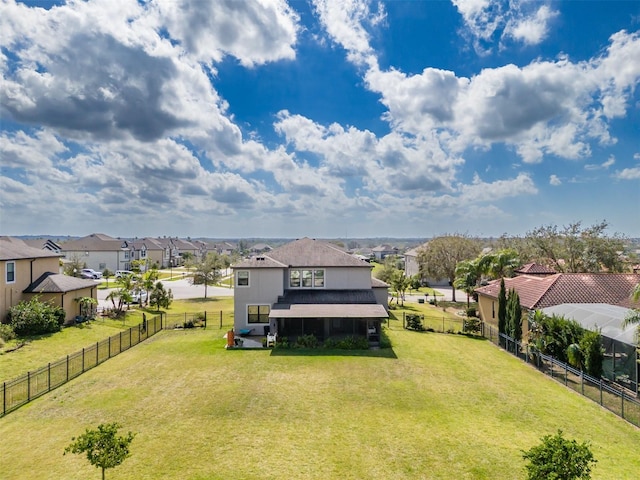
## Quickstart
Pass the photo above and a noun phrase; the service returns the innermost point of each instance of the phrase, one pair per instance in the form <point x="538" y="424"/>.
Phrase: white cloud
<point x="628" y="174"/>
<point x="531" y="29"/>
<point x="555" y="180"/>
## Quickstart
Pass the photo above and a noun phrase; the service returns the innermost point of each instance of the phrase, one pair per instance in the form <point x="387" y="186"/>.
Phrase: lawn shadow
<point x="333" y="352"/>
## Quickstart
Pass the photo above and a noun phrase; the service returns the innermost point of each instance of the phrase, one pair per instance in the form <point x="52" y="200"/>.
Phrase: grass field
<point x="434" y="407"/>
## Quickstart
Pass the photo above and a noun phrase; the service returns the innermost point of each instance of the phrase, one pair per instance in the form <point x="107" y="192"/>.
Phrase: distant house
<point x="260" y="248"/>
<point x="382" y="251"/>
<point x="308" y="287"/>
<point x="535" y="269"/>
<point x="28" y="271"/>
<point x="99" y="252"/>
<point x="45" y="244"/>
<point x="412" y="267"/>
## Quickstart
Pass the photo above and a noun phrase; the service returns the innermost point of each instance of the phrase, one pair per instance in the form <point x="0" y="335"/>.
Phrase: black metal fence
<point x="32" y="385"/>
<point x="610" y="395"/>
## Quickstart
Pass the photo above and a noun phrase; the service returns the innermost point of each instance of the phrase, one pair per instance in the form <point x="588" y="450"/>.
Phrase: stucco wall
<point x="265" y="286"/>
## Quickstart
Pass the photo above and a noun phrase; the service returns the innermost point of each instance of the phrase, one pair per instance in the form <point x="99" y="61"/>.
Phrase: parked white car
<point x="139" y="297"/>
<point x="90" y="273"/>
<point x="122" y="273"/>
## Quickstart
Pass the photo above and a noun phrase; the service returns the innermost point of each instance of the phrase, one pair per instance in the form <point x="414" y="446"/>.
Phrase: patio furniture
<point x="245" y="331"/>
<point x="271" y="340"/>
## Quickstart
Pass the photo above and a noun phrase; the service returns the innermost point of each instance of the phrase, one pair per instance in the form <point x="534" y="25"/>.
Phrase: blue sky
<point x="323" y="118"/>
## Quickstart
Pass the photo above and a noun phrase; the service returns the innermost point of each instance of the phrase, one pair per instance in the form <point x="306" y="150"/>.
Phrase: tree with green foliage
<point x="502" y="308"/>
<point x="74" y="266"/>
<point x="575" y="249"/>
<point x="467" y="277"/>
<point x="557" y="458"/>
<point x="499" y="264"/>
<point x="107" y="274"/>
<point x="400" y="283"/>
<point x="33" y="317"/>
<point x="208" y="271"/>
<point x="440" y="256"/>
<point x="514" y="316"/>
<point x="388" y="271"/>
<point x="104" y="447"/>
<point x="159" y="297"/>
<point x="593" y="352"/>
<point x="553" y="334"/>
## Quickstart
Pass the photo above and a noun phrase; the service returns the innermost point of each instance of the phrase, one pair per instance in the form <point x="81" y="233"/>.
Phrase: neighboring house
<point x="535" y="269"/>
<point x="260" y="248"/>
<point x="308" y="287"/>
<point x="173" y="248"/>
<point x="412" y="267"/>
<point x="99" y="251"/>
<point x="45" y="244"/>
<point x="29" y="271"/>
<point x="137" y="250"/>
<point x="382" y="251"/>
<point x="538" y="292"/>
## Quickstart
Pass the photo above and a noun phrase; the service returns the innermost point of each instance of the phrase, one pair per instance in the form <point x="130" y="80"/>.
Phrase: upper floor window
<point x="242" y="278"/>
<point x="10" y="268"/>
<point x="306" y="278"/>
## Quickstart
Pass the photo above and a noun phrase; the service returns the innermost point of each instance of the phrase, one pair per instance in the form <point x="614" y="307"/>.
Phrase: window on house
<point x="306" y="278"/>
<point x="243" y="278"/>
<point x="258" y="313"/>
<point x="126" y="254"/>
<point x="10" y="272"/>
<point x="294" y="279"/>
<point x="493" y="309"/>
<point x="318" y="278"/>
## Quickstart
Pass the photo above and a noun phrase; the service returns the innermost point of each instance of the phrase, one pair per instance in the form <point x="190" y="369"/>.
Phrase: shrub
<point x="559" y="458"/>
<point x="472" y="325"/>
<point x="414" y="322"/>
<point x="471" y="312"/>
<point x="35" y="317"/>
<point x="6" y="332"/>
<point x="307" y="341"/>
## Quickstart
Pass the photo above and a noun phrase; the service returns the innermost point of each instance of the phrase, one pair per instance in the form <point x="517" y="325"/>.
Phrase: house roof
<point x="15" y="249"/>
<point x="321" y="296"/>
<point x="45" y="244"/>
<point x="328" y="311"/>
<point x="304" y="252"/>
<point x="414" y="252"/>
<point x="377" y="283"/>
<point x="535" y="269"/>
<point x="96" y="242"/>
<point x="57" y="283"/>
<point x="607" y="318"/>
<point x="539" y="292"/>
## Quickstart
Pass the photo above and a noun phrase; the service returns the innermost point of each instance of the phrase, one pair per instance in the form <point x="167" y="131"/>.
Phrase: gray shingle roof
<point x="15" y="249"/>
<point x="327" y="297"/>
<point x="305" y="252"/>
<point x="58" y="283"/>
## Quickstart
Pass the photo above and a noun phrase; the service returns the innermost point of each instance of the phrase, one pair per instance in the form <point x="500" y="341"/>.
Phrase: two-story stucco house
<point x="29" y="272"/>
<point x="308" y="287"/>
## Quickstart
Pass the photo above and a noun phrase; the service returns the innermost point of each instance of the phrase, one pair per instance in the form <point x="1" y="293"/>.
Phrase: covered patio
<point x="328" y="320"/>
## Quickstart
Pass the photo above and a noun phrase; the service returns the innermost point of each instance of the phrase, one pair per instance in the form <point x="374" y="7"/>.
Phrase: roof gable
<point x="15" y="249"/>
<point x="57" y="283"/>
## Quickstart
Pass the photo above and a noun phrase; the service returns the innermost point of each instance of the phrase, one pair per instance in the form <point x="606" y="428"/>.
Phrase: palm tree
<point x="467" y="276"/>
<point x="400" y="282"/>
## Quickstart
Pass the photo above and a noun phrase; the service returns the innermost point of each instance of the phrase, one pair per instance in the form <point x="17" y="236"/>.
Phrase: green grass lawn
<point x="435" y="407"/>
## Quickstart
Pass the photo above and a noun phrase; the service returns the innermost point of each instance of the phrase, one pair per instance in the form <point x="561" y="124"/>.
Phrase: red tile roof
<point x="535" y="269"/>
<point x="540" y="292"/>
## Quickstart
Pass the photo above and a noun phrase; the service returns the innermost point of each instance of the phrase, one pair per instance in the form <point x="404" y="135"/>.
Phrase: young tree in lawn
<point x="159" y="297"/>
<point x="388" y="270"/>
<point x="103" y="447"/>
<point x="107" y="274"/>
<point x="207" y="272"/>
<point x="559" y="458"/>
<point x="440" y="256"/>
<point x="400" y="284"/>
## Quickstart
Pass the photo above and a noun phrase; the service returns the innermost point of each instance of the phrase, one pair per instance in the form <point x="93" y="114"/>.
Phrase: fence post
<point x="83" y="360"/>
<point x="28" y="386"/>
<point x="49" y="377"/>
<point x="601" y="391"/>
<point x="582" y="381"/>
<point x="109" y="347"/>
<point x="205" y="319"/>
<point x="622" y="410"/>
<point x="4" y="398"/>
<point x="566" y="374"/>
<point x="67" y="368"/>
<point x="97" y="351"/>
